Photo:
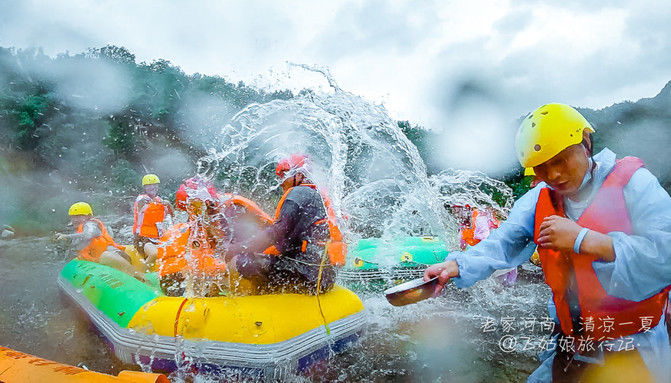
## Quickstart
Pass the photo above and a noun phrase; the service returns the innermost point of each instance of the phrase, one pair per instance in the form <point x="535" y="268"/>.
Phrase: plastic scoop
<point x="411" y="292"/>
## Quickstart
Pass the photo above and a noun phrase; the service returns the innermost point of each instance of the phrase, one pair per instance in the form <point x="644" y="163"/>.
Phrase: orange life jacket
<point x="468" y="233"/>
<point x="174" y="243"/>
<point x="98" y="244"/>
<point x="154" y="212"/>
<point x="336" y="247"/>
<point x="171" y="253"/>
<point x="570" y="273"/>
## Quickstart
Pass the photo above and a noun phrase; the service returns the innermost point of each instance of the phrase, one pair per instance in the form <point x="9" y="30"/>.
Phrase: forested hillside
<point x="93" y="123"/>
<point x="641" y="128"/>
<point x="87" y="126"/>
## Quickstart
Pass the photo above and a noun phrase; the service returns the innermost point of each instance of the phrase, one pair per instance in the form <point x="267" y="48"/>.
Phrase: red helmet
<point x="195" y="187"/>
<point x="180" y="197"/>
<point x="293" y="162"/>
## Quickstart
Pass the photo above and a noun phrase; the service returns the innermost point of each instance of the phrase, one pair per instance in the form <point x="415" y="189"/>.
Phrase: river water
<point x="442" y="339"/>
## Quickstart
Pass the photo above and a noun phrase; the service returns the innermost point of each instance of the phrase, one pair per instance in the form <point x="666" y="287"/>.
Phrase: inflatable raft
<point x="263" y="336"/>
<point x="17" y="367"/>
<point x="375" y="263"/>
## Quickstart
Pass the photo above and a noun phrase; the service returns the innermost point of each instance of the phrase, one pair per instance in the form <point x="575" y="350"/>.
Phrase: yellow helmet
<point x="80" y="208"/>
<point x="547" y="131"/>
<point x="150" y="179"/>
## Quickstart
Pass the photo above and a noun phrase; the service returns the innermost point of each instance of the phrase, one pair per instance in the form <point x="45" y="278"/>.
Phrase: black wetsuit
<point x="302" y="218"/>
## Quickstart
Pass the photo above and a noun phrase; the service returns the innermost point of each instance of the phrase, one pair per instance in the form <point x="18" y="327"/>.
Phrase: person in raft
<point x="603" y="229"/>
<point x="189" y="248"/>
<point x="152" y="216"/>
<point x="306" y="240"/>
<point x="93" y="242"/>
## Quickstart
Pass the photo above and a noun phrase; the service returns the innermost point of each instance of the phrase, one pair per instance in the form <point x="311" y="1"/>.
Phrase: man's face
<point x="78" y="220"/>
<point x="151" y="190"/>
<point x="565" y="171"/>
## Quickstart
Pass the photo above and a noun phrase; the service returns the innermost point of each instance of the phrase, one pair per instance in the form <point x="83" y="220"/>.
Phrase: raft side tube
<point x="373" y="253"/>
<point x="254" y="319"/>
<point x="18" y="367"/>
<point x="114" y="292"/>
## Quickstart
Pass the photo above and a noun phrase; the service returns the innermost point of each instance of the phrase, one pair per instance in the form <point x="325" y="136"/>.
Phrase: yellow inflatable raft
<point x="264" y="336"/>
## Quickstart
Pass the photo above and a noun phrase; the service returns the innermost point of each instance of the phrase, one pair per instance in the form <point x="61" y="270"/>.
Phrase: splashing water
<point x="380" y="188"/>
<point x="374" y="175"/>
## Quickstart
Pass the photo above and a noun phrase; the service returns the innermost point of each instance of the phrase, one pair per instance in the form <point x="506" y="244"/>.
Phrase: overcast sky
<point x="414" y="56"/>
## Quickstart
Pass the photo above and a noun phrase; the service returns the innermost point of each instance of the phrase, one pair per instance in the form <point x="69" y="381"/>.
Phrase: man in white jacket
<point x="603" y="230"/>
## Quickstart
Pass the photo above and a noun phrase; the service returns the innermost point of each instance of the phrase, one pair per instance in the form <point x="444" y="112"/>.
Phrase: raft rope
<point x="415" y="263"/>
<point x="319" y="282"/>
<point x="419" y="264"/>
<point x="320" y="265"/>
<point x="179" y="312"/>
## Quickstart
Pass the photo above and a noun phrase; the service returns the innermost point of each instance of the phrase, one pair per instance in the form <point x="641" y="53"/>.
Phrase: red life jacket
<point x="568" y="271"/>
<point x="98" y="245"/>
<point x="468" y="233"/>
<point x="154" y="212"/>
<point x="336" y="247"/>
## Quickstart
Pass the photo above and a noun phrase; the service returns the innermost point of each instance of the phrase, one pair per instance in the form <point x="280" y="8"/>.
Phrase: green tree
<point x="120" y="137"/>
<point x="30" y="114"/>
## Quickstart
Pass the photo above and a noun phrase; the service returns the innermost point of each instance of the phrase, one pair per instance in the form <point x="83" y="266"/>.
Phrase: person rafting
<point x="602" y="226"/>
<point x="189" y="248"/>
<point x="304" y="238"/>
<point x="196" y="246"/>
<point x="94" y="242"/>
<point x="152" y="215"/>
<point x="478" y="227"/>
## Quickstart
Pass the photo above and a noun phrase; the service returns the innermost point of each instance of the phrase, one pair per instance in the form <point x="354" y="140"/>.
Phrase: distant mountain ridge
<point x="641" y="128"/>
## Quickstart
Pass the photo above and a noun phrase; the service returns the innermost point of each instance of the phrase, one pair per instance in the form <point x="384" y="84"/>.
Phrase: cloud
<point x="375" y="27"/>
<point x="514" y="21"/>
<point x="412" y="56"/>
<point x="57" y="29"/>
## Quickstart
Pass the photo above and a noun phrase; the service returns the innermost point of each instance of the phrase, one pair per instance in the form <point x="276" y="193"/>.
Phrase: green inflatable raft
<point x="376" y="264"/>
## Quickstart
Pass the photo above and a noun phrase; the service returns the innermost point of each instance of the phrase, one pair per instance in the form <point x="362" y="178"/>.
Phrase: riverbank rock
<point x="7" y="232"/>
